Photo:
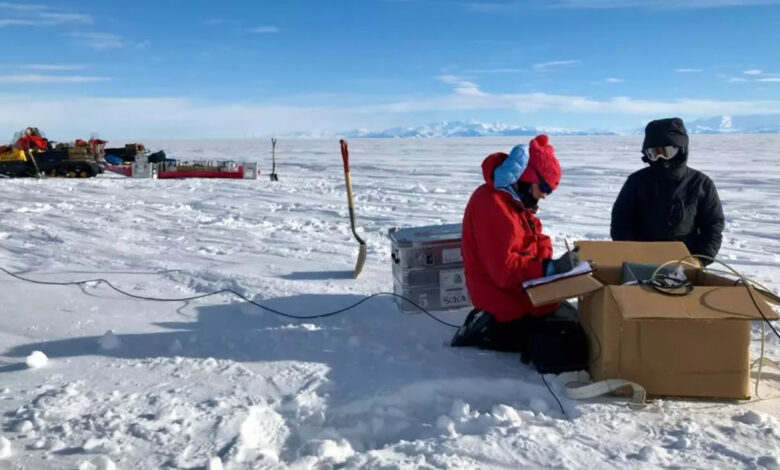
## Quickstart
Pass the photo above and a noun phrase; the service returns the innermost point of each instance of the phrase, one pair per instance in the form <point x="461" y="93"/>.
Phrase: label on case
<point x="451" y="255"/>
<point x="454" y="297"/>
<point x="452" y="278"/>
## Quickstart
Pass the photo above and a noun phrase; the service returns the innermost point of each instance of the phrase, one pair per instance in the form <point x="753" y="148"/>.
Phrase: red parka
<point x="502" y="245"/>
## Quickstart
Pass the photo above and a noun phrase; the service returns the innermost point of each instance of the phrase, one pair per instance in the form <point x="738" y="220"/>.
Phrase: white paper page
<point x="583" y="268"/>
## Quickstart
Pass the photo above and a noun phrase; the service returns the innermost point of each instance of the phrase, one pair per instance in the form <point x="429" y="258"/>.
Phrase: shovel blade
<point x="360" y="261"/>
<point x="274" y="177"/>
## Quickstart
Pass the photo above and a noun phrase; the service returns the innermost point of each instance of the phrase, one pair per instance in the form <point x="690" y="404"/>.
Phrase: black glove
<point x="566" y="262"/>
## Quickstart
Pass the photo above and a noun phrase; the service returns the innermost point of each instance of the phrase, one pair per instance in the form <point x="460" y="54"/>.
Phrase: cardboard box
<point x="697" y="345"/>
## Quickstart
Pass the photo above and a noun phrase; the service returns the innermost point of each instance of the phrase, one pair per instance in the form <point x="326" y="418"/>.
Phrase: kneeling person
<point x="503" y="245"/>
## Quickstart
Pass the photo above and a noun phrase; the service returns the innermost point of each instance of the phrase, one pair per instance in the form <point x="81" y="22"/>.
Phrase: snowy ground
<point x="217" y="383"/>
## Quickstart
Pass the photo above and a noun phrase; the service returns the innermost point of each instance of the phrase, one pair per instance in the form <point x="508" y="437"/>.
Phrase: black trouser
<point x="555" y="342"/>
<point x="481" y="329"/>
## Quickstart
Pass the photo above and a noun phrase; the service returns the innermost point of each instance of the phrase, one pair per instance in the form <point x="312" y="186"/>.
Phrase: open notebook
<point x="583" y="268"/>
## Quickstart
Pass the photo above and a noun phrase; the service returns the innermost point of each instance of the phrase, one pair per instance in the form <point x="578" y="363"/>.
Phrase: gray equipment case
<point x="428" y="267"/>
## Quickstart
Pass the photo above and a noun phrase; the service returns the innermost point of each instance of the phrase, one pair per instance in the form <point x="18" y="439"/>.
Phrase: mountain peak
<point x="470" y="128"/>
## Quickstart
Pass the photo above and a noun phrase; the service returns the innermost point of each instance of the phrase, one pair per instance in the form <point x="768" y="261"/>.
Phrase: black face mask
<point x="524" y="191"/>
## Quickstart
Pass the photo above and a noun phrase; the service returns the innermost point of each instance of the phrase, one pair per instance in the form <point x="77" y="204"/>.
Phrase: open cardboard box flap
<point x="607" y="254"/>
<point x="563" y="289"/>
<point x="703" y="303"/>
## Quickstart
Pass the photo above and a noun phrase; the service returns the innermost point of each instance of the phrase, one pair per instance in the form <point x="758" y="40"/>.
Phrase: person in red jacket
<point x="503" y="245"/>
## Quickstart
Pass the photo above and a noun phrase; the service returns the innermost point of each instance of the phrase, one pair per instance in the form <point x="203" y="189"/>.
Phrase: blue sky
<point x="197" y="68"/>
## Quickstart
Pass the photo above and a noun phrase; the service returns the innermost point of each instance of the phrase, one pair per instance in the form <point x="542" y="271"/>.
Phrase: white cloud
<point x="39" y="78"/>
<point x="659" y="4"/>
<point x="462" y="87"/>
<point x="62" y="18"/>
<point x="769" y="79"/>
<point x="520" y="5"/>
<point x="40" y="15"/>
<point x="268" y="29"/>
<point x="753" y="72"/>
<point x="494" y="71"/>
<point x="737" y="80"/>
<point x="99" y="41"/>
<point x="53" y="67"/>
<point x="17" y="22"/>
<point x="611" y="80"/>
<point x="21" y="6"/>
<point x="555" y="64"/>
<point x="172" y="117"/>
<point x="165" y="117"/>
<point x="534" y="102"/>
<point x="685" y="70"/>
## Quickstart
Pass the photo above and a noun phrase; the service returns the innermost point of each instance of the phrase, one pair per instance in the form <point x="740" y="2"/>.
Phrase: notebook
<point x="583" y="268"/>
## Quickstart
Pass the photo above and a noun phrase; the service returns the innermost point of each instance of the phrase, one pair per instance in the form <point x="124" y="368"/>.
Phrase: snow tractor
<point x="31" y="154"/>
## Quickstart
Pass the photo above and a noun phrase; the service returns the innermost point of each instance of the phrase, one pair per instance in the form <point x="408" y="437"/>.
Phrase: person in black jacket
<point x="668" y="200"/>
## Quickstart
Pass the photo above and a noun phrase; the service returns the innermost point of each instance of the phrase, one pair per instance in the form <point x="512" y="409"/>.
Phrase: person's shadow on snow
<point x="246" y="333"/>
<point x="393" y="369"/>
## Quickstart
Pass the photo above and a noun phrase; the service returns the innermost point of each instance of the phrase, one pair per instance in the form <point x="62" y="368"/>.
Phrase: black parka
<point x="669" y="201"/>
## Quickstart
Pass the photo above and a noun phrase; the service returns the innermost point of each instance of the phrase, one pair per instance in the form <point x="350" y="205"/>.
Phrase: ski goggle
<point x="667" y="152"/>
<point x="543" y="185"/>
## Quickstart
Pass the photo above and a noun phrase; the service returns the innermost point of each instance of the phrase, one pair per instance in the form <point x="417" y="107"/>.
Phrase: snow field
<point x="218" y="383"/>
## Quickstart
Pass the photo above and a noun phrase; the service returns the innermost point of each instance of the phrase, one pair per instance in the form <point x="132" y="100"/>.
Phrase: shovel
<point x="274" y="176"/>
<point x="362" y="253"/>
<point x="30" y="155"/>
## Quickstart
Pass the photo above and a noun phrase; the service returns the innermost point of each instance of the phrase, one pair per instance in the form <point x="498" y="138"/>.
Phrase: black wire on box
<point x="668" y="285"/>
<point x="227" y="291"/>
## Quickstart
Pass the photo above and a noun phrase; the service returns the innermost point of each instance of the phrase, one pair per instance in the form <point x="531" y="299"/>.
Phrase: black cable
<point x="226" y="291"/>
<point x="744" y="281"/>
<point x="664" y="284"/>
<point x="554" y="396"/>
<point x="667" y="284"/>
<point x="755" y="303"/>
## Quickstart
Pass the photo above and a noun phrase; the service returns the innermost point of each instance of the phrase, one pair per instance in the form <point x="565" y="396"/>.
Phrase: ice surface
<point x="218" y="383"/>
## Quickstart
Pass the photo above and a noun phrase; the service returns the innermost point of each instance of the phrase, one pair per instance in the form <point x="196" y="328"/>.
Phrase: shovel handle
<point x="273" y="159"/>
<point x="345" y="154"/>
<point x="347" y="179"/>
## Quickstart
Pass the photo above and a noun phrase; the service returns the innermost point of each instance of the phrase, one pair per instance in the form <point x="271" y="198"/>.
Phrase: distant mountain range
<point x="745" y="124"/>
<point x="467" y="129"/>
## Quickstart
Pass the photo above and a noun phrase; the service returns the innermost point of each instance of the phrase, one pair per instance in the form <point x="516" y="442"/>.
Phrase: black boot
<point x="481" y="329"/>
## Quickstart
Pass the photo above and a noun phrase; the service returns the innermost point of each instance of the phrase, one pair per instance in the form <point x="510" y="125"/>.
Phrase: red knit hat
<point x="542" y="162"/>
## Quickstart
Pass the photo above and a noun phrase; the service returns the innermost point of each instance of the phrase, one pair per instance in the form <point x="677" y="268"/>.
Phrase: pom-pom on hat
<point x="542" y="163"/>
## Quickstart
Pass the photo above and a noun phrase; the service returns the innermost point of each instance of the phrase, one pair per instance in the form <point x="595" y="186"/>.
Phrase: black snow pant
<point x="554" y="343"/>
